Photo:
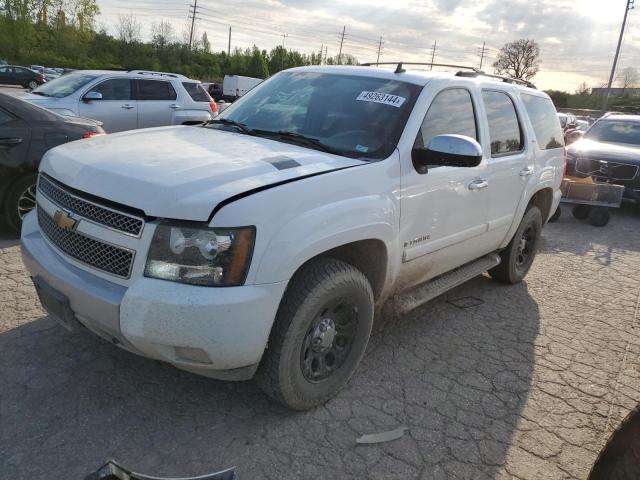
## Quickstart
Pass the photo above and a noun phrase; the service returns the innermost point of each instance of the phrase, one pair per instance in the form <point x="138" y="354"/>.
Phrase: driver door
<point x="117" y="109"/>
<point x="444" y="213"/>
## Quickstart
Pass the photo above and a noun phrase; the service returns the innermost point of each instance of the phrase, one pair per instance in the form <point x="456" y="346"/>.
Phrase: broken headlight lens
<point x="211" y="257"/>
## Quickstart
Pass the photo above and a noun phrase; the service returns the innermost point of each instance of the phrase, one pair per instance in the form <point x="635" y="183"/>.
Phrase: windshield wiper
<point x="40" y="93"/>
<point x="300" y="138"/>
<point x="232" y="123"/>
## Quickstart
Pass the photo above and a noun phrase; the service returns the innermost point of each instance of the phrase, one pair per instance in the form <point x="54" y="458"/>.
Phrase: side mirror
<point x="448" y="151"/>
<point x="92" y="96"/>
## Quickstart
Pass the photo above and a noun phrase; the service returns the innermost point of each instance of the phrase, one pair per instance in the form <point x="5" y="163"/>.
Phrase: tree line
<point x="62" y="33"/>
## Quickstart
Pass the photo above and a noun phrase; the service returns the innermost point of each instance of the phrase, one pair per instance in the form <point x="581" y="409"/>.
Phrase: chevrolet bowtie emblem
<point x="64" y="220"/>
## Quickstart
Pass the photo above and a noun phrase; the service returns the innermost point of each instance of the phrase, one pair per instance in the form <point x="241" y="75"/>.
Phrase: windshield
<point x="355" y="116"/>
<point x="64" y="85"/>
<point x="615" y="131"/>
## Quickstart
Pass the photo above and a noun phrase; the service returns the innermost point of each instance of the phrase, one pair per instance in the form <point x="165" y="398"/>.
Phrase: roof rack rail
<point x="473" y="71"/>
<point x="160" y="74"/>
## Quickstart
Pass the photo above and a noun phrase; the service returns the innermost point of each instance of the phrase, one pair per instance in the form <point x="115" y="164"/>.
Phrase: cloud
<point x="576" y="38"/>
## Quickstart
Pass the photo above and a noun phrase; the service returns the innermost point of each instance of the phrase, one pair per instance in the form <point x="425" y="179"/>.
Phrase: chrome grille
<point x="100" y="255"/>
<point x="605" y="169"/>
<point x="99" y="214"/>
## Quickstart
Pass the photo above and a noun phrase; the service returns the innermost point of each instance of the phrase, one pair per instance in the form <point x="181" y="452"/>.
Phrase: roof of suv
<point x="139" y="74"/>
<point x="410" y="75"/>
<point x="621" y="116"/>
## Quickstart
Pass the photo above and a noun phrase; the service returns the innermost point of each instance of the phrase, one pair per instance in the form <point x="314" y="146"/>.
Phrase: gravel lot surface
<point x="527" y="385"/>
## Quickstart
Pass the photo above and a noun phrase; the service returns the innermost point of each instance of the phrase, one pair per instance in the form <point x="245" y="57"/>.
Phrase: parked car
<point x="26" y="133"/>
<point x="215" y="90"/>
<point x="235" y="86"/>
<point x="127" y="100"/>
<point x="25" y="77"/>
<point x="51" y="74"/>
<point x="610" y="152"/>
<point x="568" y="121"/>
<point x="3" y="61"/>
<point x="37" y="68"/>
<point x="338" y="189"/>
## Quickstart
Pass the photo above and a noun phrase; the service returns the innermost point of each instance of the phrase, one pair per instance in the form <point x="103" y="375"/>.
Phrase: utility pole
<point x="284" y="35"/>
<point x="229" y="45"/>
<point x="482" y="55"/>
<point x="321" y="50"/>
<point x="379" y="48"/>
<point x="193" y="20"/>
<point x="326" y="49"/>
<point x="629" y="6"/>
<point x="341" y="41"/>
<point x="433" y="53"/>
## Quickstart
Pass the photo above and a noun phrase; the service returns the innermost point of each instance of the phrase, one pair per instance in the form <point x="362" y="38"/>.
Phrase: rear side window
<point x="196" y="92"/>
<point x="114" y="89"/>
<point x="545" y="121"/>
<point x="155" y="90"/>
<point x="451" y="112"/>
<point x="504" y="128"/>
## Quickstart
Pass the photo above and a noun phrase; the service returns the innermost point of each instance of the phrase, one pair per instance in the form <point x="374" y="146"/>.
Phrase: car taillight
<point x="92" y="134"/>
<point x="214" y="106"/>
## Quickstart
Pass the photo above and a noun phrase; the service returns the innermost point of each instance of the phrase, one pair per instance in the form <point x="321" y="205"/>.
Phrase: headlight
<point x="212" y="257"/>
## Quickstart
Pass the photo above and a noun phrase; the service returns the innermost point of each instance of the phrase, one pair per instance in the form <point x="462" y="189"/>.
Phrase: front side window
<point x="545" y="122"/>
<point x="64" y="85"/>
<point x="354" y="115"/>
<point x="114" y="89"/>
<point x="451" y="112"/>
<point x="505" y="133"/>
<point x="155" y="90"/>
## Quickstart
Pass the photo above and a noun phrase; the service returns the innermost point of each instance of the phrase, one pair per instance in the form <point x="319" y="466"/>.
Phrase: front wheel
<point x="518" y="257"/>
<point x="319" y="336"/>
<point x="20" y="200"/>
<point x="32" y="84"/>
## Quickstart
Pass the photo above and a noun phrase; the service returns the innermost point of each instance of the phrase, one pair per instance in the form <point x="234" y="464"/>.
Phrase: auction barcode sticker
<point x="385" y="98"/>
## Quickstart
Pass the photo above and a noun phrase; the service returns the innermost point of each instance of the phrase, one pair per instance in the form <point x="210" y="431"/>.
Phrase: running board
<point x="428" y="291"/>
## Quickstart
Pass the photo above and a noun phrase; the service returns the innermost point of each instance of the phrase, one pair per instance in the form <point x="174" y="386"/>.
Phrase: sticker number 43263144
<point x="385" y="98"/>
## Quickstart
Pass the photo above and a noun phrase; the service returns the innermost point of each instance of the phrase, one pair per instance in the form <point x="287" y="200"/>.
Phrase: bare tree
<point x="518" y="59"/>
<point x="162" y="34"/>
<point x="583" y="89"/>
<point x="628" y="78"/>
<point x="128" y="28"/>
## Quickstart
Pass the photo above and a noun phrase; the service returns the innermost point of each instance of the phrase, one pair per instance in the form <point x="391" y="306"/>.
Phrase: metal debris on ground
<point x="465" y="302"/>
<point x="382" y="436"/>
<point x="112" y="471"/>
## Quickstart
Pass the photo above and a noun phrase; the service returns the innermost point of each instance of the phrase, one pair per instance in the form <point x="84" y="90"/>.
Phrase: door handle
<point x="128" y="106"/>
<point x="10" y="142"/>
<point x="526" y="171"/>
<point x="478" y="184"/>
<point x="174" y="106"/>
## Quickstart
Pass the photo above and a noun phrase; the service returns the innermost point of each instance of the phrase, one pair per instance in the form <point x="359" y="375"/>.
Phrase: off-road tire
<point x="581" y="212"/>
<point x="511" y="270"/>
<point x="13" y="196"/>
<point x="280" y="374"/>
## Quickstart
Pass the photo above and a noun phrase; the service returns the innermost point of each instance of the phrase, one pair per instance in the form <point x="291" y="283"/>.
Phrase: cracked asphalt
<point x="527" y="385"/>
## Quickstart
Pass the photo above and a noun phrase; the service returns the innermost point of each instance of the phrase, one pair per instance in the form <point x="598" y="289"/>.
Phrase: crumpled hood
<point x="181" y="172"/>
<point x="591" y="149"/>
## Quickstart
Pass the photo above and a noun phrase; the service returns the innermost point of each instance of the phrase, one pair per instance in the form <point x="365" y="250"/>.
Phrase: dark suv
<point x="610" y="152"/>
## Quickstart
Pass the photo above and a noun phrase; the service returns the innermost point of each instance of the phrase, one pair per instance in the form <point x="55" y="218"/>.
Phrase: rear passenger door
<point x="117" y="108"/>
<point x="156" y="102"/>
<point x="510" y="167"/>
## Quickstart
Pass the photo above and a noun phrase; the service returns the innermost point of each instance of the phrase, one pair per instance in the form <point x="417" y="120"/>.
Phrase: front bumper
<point x="216" y="332"/>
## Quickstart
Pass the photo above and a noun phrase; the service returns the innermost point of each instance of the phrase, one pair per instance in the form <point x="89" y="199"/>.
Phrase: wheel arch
<point x="543" y="199"/>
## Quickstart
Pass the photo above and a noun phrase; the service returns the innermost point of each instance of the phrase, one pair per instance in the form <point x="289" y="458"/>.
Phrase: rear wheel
<point x="599" y="216"/>
<point x="21" y="199"/>
<point x="581" y="212"/>
<point x="521" y="251"/>
<point x="319" y="336"/>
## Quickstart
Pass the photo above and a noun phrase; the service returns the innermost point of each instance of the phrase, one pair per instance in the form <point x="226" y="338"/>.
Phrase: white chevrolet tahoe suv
<point x="338" y="190"/>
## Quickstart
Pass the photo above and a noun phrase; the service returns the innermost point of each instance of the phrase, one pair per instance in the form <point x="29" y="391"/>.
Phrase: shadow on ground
<point x="457" y="378"/>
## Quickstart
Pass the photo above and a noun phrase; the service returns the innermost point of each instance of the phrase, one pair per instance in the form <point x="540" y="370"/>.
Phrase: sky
<point x="577" y="38"/>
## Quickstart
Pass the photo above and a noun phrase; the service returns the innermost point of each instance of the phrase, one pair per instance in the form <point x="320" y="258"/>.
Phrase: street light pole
<point x="629" y="6"/>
